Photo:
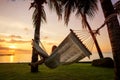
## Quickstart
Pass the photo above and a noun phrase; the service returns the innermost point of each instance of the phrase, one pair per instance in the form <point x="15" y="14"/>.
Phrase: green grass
<point x="77" y="71"/>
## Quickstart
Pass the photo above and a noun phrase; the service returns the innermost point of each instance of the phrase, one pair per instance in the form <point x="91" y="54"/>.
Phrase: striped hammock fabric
<point x="69" y="51"/>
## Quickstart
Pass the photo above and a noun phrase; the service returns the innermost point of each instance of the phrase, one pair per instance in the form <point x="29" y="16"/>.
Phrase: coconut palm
<point x="38" y="17"/>
<point x="83" y="8"/>
<point x="87" y="7"/>
<point x="114" y="33"/>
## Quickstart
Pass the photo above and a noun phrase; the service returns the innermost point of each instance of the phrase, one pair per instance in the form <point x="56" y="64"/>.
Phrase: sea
<point x="26" y="58"/>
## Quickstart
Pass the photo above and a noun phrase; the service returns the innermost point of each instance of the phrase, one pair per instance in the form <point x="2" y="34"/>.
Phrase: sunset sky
<point x="17" y="31"/>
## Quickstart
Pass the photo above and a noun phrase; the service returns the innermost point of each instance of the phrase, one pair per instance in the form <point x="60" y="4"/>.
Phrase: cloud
<point x="23" y="50"/>
<point x="6" y="54"/>
<point x="3" y="48"/>
<point x="26" y="29"/>
<point x="2" y="40"/>
<point x="19" y="41"/>
<point x="10" y="36"/>
<point x="45" y="37"/>
<point x="50" y="43"/>
<point x="15" y="36"/>
<point x="13" y="39"/>
<point x="16" y="49"/>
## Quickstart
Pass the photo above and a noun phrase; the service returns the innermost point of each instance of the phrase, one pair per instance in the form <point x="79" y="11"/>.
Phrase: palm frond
<point x="69" y="6"/>
<point x="67" y="14"/>
<point x="39" y="14"/>
<point x="55" y="5"/>
<point x="43" y="15"/>
<point x="35" y="17"/>
<point x="87" y="7"/>
<point x="117" y="7"/>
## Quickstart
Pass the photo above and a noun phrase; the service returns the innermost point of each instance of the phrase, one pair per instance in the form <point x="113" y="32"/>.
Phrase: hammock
<point x="70" y="50"/>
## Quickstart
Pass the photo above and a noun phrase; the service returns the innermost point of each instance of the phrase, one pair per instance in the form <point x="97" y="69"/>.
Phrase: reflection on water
<point x="16" y="58"/>
<point x="12" y="58"/>
<point x="19" y="58"/>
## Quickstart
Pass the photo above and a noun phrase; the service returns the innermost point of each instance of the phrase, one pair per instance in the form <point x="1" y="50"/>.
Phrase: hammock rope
<point x="86" y="38"/>
<point x="107" y="20"/>
<point x="73" y="48"/>
<point x="43" y="46"/>
<point x="70" y="50"/>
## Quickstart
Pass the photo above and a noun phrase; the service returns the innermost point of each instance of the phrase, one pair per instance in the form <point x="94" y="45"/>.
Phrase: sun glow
<point x="11" y="58"/>
<point x="12" y="46"/>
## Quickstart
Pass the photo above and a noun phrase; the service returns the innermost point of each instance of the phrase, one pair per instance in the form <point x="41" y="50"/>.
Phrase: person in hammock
<point x="42" y="59"/>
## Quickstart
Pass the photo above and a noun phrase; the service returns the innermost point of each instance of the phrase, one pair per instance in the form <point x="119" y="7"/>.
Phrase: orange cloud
<point x="6" y="49"/>
<point x="15" y="36"/>
<point x="3" y="48"/>
<point x="11" y="36"/>
<point x="13" y="39"/>
<point x="2" y="40"/>
<point x="18" y="41"/>
<point x="23" y="46"/>
<point x="6" y="54"/>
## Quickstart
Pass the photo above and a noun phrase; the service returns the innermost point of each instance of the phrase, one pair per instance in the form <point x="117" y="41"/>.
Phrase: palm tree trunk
<point x="93" y="37"/>
<point x="34" y="52"/>
<point x="36" y="37"/>
<point x="114" y="34"/>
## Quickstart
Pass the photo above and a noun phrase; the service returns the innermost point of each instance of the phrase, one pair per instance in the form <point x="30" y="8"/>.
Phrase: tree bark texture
<point x="114" y="34"/>
<point x="37" y="25"/>
<point x="94" y="38"/>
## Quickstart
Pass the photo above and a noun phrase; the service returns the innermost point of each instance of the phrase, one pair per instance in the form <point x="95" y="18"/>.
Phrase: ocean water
<point x="19" y="58"/>
<point x="96" y="56"/>
<point x="16" y="58"/>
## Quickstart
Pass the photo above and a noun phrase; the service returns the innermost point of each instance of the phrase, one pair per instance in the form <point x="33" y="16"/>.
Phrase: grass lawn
<point x="77" y="71"/>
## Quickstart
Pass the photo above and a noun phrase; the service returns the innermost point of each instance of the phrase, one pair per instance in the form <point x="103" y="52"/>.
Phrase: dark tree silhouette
<point x="87" y="7"/>
<point x="38" y="17"/>
<point x="114" y="33"/>
<point x="84" y="8"/>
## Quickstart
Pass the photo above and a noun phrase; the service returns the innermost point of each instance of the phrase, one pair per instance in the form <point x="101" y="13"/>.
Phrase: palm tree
<point x="38" y="17"/>
<point x="87" y="7"/>
<point x="83" y="8"/>
<point x="114" y="33"/>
